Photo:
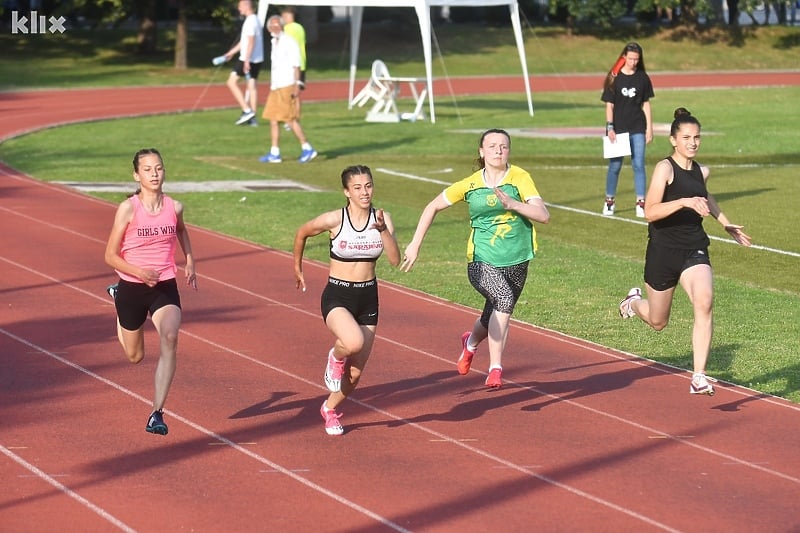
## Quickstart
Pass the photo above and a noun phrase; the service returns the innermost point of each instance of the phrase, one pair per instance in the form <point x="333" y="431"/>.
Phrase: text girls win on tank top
<point x="150" y="240"/>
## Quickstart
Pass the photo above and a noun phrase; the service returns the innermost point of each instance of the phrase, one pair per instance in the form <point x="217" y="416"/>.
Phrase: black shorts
<point x="135" y="300"/>
<point x="360" y="298"/>
<point x="663" y="266"/>
<point x="255" y="68"/>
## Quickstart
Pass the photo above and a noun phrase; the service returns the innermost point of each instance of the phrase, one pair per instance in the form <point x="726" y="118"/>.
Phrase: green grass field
<point x="586" y="262"/>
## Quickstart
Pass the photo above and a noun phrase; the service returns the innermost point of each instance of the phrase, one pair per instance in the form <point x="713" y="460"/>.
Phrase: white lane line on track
<point x="219" y="438"/>
<point x="437" y="435"/>
<point x="9" y="173"/>
<point x="340" y="499"/>
<point x="553" y="335"/>
<point x="66" y="490"/>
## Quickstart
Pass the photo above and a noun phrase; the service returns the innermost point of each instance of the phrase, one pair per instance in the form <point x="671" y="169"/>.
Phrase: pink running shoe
<point x="465" y="359"/>
<point x="625" y="310"/>
<point x="331" y="417"/>
<point x="494" y="379"/>
<point x="334" y="371"/>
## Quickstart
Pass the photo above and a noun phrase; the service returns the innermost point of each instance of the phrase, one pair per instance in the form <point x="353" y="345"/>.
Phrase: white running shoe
<point x="608" y="207"/>
<point x="640" y="208"/>
<point x="625" y="309"/>
<point x="700" y="384"/>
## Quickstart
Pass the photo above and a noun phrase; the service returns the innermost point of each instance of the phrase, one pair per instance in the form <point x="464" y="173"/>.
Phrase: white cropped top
<point x="351" y="244"/>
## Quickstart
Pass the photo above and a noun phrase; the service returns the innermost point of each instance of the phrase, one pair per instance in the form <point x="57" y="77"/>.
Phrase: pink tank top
<point x="150" y="240"/>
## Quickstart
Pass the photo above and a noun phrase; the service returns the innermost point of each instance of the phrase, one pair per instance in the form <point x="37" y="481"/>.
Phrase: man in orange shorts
<point x="283" y="100"/>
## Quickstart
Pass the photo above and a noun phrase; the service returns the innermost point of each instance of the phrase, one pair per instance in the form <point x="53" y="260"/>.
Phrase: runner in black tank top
<point x="677" y="248"/>
<point x="684" y="228"/>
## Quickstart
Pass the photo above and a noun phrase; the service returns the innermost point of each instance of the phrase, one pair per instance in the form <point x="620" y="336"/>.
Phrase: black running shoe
<point x="112" y="291"/>
<point x="156" y="424"/>
<point x="244" y="117"/>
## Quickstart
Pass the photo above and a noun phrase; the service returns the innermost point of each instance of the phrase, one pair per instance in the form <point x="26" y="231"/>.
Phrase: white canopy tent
<point x="422" y="8"/>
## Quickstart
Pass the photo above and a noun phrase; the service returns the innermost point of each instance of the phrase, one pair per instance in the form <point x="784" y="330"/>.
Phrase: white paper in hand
<point x="617" y="149"/>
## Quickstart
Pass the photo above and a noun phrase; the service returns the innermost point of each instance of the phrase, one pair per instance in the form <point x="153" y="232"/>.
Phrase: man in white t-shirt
<point x="284" y="90"/>
<point x="251" y="55"/>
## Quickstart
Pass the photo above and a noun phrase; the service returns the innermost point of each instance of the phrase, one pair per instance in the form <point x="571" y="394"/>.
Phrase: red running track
<point x="581" y="438"/>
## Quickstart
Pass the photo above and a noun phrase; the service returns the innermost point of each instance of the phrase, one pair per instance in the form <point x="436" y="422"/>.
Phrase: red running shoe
<point x="465" y="360"/>
<point x="494" y="379"/>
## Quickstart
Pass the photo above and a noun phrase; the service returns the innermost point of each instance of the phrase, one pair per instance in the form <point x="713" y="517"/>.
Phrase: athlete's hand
<point x="149" y="277"/>
<point x="191" y="277"/>
<point x="738" y="235"/>
<point x="699" y="204"/>
<point x="299" y="281"/>
<point x="409" y="257"/>
<point x="380" y="221"/>
<point x="505" y="199"/>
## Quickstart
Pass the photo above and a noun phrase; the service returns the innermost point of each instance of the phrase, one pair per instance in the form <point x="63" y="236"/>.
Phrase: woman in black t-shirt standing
<point x="627" y="92"/>
<point x="677" y="248"/>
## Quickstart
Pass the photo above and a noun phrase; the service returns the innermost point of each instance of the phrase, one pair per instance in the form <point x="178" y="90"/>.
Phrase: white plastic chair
<point x="379" y="89"/>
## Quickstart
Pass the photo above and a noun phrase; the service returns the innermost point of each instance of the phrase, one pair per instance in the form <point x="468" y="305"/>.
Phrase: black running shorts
<point x="360" y="298"/>
<point x="663" y="266"/>
<point x="135" y="300"/>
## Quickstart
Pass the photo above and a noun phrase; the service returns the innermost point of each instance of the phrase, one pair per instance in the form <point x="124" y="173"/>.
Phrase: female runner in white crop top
<point x="359" y="234"/>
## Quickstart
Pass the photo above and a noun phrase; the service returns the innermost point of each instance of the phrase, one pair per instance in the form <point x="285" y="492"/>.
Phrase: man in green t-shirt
<point x="296" y="31"/>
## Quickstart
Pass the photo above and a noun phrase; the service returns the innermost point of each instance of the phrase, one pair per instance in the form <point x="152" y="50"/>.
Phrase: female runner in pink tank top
<point x="147" y="228"/>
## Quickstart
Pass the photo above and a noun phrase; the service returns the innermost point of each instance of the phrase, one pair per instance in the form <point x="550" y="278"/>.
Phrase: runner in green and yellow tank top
<point x="503" y="204"/>
<point x="499" y="237"/>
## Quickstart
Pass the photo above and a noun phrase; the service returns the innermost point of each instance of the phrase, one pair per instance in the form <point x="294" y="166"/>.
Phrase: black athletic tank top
<point x="684" y="228"/>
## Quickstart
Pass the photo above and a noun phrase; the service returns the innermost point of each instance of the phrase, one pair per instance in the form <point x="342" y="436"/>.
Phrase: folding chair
<point x="383" y="91"/>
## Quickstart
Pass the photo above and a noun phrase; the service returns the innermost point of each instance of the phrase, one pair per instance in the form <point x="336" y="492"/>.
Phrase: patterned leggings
<point x="501" y="286"/>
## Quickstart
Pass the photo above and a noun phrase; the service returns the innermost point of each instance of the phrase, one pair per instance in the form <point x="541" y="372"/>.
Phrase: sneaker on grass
<point x="640" y="208"/>
<point x="625" y="309"/>
<point x="245" y="117"/>
<point x="270" y="158"/>
<point x="608" y="207"/>
<point x="307" y="155"/>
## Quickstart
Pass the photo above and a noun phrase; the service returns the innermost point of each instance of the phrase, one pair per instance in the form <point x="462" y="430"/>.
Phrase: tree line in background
<point x="575" y="15"/>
